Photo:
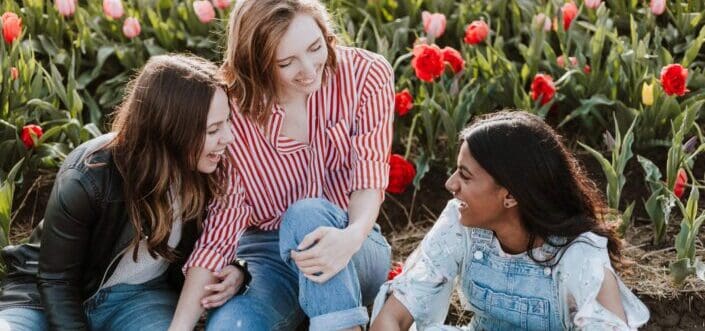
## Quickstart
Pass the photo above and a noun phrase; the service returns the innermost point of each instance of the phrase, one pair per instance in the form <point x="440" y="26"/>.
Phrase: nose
<point x="452" y="184"/>
<point x="308" y="69"/>
<point x="227" y="136"/>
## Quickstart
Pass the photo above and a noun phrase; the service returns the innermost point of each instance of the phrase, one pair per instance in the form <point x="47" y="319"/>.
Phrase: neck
<point x="512" y="235"/>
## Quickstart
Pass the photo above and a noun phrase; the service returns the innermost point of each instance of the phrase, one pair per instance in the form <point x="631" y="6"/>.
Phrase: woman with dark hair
<point x="524" y="236"/>
<point x="125" y="211"/>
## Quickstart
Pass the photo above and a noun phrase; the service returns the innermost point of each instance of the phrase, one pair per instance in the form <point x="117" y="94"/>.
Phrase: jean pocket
<point x="522" y="312"/>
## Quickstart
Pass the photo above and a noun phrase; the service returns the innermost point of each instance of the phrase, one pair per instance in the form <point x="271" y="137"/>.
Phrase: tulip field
<point x="622" y="81"/>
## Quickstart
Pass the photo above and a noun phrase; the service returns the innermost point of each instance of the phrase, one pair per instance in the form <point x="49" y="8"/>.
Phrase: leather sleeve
<point x="64" y="248"/>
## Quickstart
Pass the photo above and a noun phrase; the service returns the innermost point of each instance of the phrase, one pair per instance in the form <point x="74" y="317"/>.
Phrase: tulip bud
<point x="221" y="4"/>
<point x="609" y="140"/>
<point x="690" y="145"/>
<point x="657" y="6"/>
<point x="131" y="28"/>
<point x="542" y="21"/>
<point x="14" y="73"/>
<point x="113" y="8"/>
<point x="204" y="11"/>
<point x="65" y="7"/>
<point x="647" y="94"/>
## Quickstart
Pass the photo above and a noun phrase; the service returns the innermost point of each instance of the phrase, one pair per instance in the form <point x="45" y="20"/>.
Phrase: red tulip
<point x="673" y="79"/>
<point x="427" y="62"/>
<point x="454" y="58"/>
<point x="569" y="11"/>
<point x="433" y="24"/>
<point x="11" y="27"/>
<point x="28" y="132"/>
<point x="403" y="102"/>
<point x="681" y="182"/>
<point x="542" y="87"/>
<point x="476" y="32"/>
<point x="401" y="174"/>
<point x="395" y="270"/>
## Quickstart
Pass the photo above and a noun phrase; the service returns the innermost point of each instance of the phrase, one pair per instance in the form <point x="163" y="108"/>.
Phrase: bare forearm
<point x="189" y="308"/>
<point x="363" y="210"/>
<point x="393" y="316"/>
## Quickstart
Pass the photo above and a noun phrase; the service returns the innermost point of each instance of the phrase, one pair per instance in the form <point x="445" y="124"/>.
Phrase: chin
<point x="207" y="169"/>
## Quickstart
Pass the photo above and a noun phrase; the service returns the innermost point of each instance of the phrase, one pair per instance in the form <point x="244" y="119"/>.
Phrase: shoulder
<point x="582" y="266"/>
<point x="447" y="233"/>
<point x="373" y="67"/>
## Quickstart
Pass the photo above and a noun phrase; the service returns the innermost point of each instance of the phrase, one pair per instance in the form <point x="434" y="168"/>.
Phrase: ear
<point x="509" y="201"/>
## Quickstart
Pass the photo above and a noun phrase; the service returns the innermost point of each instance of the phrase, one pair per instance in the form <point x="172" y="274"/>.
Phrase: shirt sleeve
<point x="582" y="275"/>
<point x="372" y="132"/>
<point x="227" y="220"/>
<point x="428" y="276"/>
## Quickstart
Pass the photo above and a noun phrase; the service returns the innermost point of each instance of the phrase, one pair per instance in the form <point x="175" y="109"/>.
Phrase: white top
<point x="432" y="270"/>
<point x="147" y="267"/>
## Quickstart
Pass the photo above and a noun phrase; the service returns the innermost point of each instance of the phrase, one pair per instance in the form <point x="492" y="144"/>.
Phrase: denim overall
<point x="508" y="293"/>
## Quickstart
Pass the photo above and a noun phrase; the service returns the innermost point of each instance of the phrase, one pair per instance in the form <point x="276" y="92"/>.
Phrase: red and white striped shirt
<point x="350" y="135"/>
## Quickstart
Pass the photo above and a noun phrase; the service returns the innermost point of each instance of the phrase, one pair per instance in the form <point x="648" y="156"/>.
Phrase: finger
<point x="311" y="270"/>
<point x="311" y="253"/>
<point x="308" y="263"/>
<point x="311" y="238"/>
<point x="320" y="279"/>
<point x="220" y="287"/>
<point x="215" y="304"/>
<point x="217" y="297"/>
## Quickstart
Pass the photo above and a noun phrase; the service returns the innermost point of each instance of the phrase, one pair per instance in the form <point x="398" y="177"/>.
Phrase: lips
<point x="215" y="156"/>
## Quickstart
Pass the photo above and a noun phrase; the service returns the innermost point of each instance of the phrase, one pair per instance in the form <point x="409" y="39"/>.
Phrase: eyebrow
<point x="309" y="46"/>
<point x="463" y="168"/>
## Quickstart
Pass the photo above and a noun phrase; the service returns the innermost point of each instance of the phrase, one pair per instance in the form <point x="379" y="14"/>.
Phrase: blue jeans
<point x="280" y="297"/>
<point x="147" y="306"/>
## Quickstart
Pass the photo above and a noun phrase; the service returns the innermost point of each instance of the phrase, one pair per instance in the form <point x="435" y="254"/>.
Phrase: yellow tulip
<point x="647" y="94"/>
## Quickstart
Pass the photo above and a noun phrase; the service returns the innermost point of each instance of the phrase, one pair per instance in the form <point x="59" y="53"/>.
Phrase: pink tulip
<point x="113" y="8"/>
<point x="65" y="7"/>
<point x="204" y="10"/>
<point x="658" y="6"/>
<point x="221" y="4"/>
<point x="541" y="20"/>
<point x="131" y="28"/>
<point x="592" y="4"/>
<point x="433" y="24"/>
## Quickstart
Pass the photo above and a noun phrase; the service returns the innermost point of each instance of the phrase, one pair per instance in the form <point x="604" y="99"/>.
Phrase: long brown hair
<point x="160" y="131"/>
<point x="557" y="201"/>
<point x="254" y="32"/>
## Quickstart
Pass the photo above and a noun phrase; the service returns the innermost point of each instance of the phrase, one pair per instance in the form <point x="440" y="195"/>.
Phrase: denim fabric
<point x="279" y="297"/>
<point x="508" y="293"/>
<point x="147" y="306"/>
<point x="23" y="319"/>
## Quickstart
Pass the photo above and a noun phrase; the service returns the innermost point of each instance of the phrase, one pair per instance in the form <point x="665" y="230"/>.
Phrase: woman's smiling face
<point x="300" y="58"/>
<point x="481" y="199"/>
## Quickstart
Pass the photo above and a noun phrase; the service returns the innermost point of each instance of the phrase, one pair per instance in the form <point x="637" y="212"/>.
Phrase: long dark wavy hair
<point x="557" y="201"/>
<point x="160" y="131"/>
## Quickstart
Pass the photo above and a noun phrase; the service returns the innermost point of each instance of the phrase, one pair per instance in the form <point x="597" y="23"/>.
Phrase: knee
<point x="306" y="215"/>
<point x="233" y="318"/>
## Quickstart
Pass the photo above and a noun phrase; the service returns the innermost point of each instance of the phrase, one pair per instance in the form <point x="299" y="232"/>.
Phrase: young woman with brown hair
<point x="307" y="178"/>
<point x="125" y="211"/>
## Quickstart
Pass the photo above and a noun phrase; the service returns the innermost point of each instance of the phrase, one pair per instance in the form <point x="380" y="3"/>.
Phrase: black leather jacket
<point x="85" y="231"/>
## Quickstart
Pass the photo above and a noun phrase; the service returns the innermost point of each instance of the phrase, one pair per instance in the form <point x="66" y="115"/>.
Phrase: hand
<point x="231" y="279"/>
<point x="326" y="251"/>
